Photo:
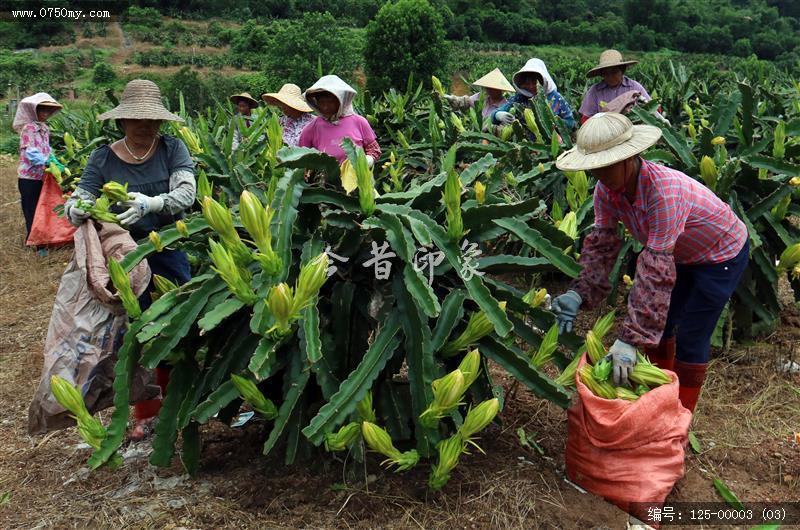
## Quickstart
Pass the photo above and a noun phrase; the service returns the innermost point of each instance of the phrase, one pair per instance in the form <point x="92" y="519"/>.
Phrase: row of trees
<point x="769" y="29"/>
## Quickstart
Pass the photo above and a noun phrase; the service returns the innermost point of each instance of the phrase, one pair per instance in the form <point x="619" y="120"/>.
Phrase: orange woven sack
<point x="48" y="229"/>
<point x="627" y="451"/>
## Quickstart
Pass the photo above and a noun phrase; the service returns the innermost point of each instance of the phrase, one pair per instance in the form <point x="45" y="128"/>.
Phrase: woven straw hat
<point x="290" y="95"/>
<point x="495" y="79"/>
<point x="608" y="59"/>
<point x="605" y="139"/>
<point x="141" y="100"/>
<point x="245" y="96"/>
<point x="52" y="104"/>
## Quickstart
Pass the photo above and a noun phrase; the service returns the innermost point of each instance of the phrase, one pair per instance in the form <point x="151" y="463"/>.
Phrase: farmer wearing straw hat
<point x="494" y="84"/>
<point x="296" y="112"/>
<point x="161" y="186"/>
<point x="245" y="104"/>
<point x="527" y="81"/>
<point x="616" y="92"/>
<point x="34" y="150"/>
<point x="696" y="249"/>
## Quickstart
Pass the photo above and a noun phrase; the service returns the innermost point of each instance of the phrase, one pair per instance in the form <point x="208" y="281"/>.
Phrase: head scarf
<point x="26" y="111"/>
<point x="536" y="66"/>
<point x="341" y="90"/>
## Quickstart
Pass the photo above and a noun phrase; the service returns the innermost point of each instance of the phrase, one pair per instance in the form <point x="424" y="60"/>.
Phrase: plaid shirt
<point x="673" y="214"/>
<point x="679" y="220"/>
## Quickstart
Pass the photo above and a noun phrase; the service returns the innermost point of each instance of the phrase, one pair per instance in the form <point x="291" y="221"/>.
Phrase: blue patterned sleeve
<point x="562" y="109"/>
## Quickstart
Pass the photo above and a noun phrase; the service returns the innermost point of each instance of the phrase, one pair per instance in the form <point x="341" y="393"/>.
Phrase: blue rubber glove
<point x="35" y="157"/>
<point x="505" y="118"/>
<point x="623" y="360"/>
<point x="566" y="309"/>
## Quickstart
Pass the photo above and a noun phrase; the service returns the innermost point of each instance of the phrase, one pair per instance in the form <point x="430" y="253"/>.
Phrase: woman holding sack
<point x="160" y="176"/>
<point x="34" y="150"/>
<point x="696" y="250"/>
<point x="296" y="112"/>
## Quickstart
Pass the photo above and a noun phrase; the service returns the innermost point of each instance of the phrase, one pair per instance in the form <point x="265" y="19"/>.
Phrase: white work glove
<point x="623" y="360"/>
<point x="370" y="161"/>
<point x="503" y="117"/>
<point x="75" y="215"/>
<point x="139" y="205"/>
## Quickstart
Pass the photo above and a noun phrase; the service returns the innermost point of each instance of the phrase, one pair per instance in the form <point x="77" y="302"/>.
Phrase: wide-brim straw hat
<point x="608" y="59"/>
<point x="495" y="79"/>
<point x="52" y="104"/>
<point x="141" y="100"/>
<point x="605" y="139"/>
<point x="290" y="95"/>
<point x="245" y="96"/>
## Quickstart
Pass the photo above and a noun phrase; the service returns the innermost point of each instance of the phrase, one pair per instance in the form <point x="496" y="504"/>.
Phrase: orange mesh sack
<point x="627" y="451"/>
<point x="48" y="229"/>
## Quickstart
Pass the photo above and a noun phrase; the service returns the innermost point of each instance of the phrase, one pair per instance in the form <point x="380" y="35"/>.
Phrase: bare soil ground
<point x="746" y="422"/>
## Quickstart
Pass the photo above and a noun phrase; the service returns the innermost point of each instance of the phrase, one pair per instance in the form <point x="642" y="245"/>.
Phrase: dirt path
<point x="746" y="423"/>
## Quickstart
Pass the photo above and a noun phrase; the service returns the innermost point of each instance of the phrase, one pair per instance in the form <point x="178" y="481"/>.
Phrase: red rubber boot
<point x="145" y="411"/>
<point x="663" y="355"/>
<point x="690" y="378"/>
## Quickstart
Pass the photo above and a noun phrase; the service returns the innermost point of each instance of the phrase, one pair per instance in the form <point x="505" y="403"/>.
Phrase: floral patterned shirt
<point x="35" y="135"/>
<point x="293" y="127"/>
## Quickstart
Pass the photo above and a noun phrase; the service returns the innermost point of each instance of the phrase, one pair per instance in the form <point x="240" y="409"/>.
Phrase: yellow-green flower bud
<point x="250" y="393"/>
<point x="378" y="440"/>
<point x="470" y="366"/>
<point x="344" y="438"/>
<point x="204" y="188"/>
<point x="569" y="225"/>
<point x="530" y="122"/>
<point x="546" y="348"/>
<point x="256" y="220"/>
<point x="115" y="191"/>
<point x="279" y="302"/>
<point x="182" y="229"/>
<point x="122" y="283"/>
<point x="794" y="182"/>
<point x="779" y="143"/>
<point x="163" y="285"/>
<point x="789" y="257"/>
<point x="449" y="452"/>
<point x="437" y="85"/>
<point x="627" y="280"/>
<point x="478" y="418"/>
<point x="506" y="132"/>
<point x="595" y="348"/>
<point x="155" y="240"/>
<point x="447" y="390"/>
<point x="603" y="325"/>
<point x="709" y="172"/>
<point x="226" y="267"/>
<point x="480" y="192"/>
<point x="366" y="184"/>
<point x="310" y="280"/>
<point x="478" y="327"/>
<point x="68" y="396"/>
<point x="456" y="121"/>
<point x="718" y="140"/>
<point x="364" y="409"/>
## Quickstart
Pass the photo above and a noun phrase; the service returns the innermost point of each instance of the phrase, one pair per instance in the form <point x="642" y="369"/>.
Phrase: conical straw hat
<point x="605" y="139"/>
<point x="245" y="96"/>
<point x="495" y="79"/>
<point x="608" y="59"/>
<point x="141" y="100"/>
<point x="290" y="95"/>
